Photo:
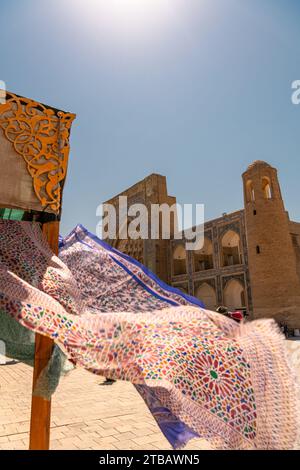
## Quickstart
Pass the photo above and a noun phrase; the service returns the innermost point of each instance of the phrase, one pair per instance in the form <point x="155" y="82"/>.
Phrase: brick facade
<point x="250" y="258"/>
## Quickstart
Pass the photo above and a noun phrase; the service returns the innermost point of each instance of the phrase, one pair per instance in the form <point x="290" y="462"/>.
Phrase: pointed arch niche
<point x="231" y="249"/>
<point x="179" y="260"/>
<point x="250" y="194"/>
<point x="207" y="294"/>
<point x="234" y="294"/>
<point x="203" y="259"/>
<point x="266" y="187"/>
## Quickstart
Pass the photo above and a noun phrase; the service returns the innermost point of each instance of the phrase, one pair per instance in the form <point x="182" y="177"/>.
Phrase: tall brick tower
<point x="274" y="281"/>
<point x="151" y="253"/>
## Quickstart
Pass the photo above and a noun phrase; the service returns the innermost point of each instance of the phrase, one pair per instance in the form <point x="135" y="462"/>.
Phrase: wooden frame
<point x="35" y="138"/>
<point x="41" y="408"/>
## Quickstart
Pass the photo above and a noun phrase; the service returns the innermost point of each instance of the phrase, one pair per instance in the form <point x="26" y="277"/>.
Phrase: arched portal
<point x="207" y="294"/>
<point x="231" y="249"/>
<point x="203" y="259"/>
<point x="234" y="295"/>
<point x="179" y="260"/>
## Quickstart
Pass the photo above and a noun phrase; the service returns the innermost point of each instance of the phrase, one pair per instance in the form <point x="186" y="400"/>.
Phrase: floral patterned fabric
<point x="110" y="280"/>
<point x="200" y="373"/>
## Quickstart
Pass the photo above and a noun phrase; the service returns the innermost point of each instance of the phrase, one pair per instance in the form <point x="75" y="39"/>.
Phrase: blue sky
<point x="192" y="89"/>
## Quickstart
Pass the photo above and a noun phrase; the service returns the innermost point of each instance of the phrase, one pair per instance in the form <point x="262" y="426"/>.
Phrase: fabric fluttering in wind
<point x="20" y="346"/>
<point x="20" y="342"/>
<point x="201" y="374"/>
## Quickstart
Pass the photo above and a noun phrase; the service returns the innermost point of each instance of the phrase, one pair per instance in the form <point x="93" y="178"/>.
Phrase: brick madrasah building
<point x="250" y="258"/>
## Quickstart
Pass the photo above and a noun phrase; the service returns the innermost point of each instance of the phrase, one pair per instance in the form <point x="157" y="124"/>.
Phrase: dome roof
<point x="258" y="163"/>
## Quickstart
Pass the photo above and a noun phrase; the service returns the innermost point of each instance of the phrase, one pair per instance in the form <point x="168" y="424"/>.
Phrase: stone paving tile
<point x="85" y="414"/>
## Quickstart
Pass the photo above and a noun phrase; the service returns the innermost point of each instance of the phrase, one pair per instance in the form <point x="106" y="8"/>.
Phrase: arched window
<point x="234" y="295"/>
<point x="231" y="249"/>
<point x="203" y="259"/>
<point x="179" y="260"/>
<point x="266" y="187"/>
<point x="250" y="195"/>
<point x="207" y="294"/>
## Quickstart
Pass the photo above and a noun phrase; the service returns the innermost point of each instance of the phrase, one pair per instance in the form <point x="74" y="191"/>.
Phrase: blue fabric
<point x="175" y="431"/>
<point x="192" y="300"/>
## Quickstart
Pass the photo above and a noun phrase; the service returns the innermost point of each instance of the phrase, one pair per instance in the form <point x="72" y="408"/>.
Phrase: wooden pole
<point x="41" y="408"/>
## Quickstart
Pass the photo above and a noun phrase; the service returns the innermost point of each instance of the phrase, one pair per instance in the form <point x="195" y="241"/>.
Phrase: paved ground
<point x="85" y="414"/>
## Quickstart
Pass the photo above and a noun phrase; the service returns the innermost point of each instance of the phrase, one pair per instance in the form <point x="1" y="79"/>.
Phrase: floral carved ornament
<point x="41" y="136"/>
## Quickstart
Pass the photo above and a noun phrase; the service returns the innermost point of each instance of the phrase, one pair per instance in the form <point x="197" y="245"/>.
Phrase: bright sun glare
<point x="127" y="18"/>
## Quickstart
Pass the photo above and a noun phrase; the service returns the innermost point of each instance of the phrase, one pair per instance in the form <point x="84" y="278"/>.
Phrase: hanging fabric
<point x="200" y="373"/>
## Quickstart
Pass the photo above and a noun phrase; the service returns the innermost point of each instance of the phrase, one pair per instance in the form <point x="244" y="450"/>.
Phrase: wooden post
<point x="41" y="408"/>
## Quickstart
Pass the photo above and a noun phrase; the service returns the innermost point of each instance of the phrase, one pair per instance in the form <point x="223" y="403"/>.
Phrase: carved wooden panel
<point x="34" y="151"/>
